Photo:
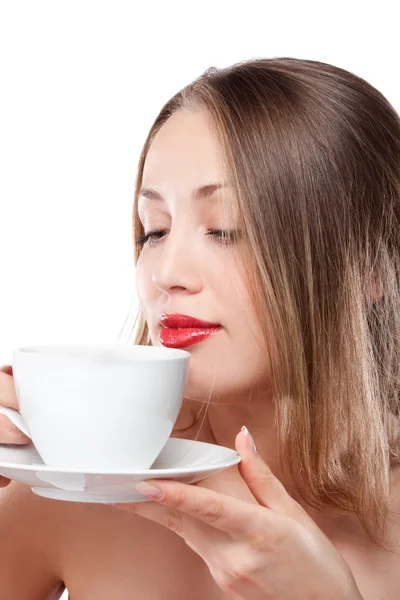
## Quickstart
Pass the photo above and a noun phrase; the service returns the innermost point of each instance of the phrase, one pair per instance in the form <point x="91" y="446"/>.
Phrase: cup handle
<point x="15" y="417"/>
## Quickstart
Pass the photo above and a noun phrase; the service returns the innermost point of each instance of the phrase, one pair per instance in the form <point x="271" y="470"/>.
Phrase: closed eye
<point x="225" y="236"/>
<point x="151" y="237"/>
<point x="222" y="236"/>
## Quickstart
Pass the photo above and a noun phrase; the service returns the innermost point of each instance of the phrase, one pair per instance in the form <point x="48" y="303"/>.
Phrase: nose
<point x="179" y="265"/>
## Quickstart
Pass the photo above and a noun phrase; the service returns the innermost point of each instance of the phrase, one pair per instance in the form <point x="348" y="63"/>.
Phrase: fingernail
<point x="250" y="439"/>
<point x="149" y="490"/>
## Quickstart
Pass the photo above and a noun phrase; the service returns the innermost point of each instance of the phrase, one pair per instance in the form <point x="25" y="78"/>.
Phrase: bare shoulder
<point x="47" y="545"/>
<point x="28" y="549"/>
<point x="379" y="568"/>
<point x="25" y="516"/>
<point x="104" y="546"/>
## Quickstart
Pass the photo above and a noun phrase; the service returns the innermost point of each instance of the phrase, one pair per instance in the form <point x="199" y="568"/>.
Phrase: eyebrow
<point x="204" y="191"/>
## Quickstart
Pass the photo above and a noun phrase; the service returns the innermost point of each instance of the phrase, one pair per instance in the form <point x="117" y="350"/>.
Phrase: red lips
<point x="181" y="331"/>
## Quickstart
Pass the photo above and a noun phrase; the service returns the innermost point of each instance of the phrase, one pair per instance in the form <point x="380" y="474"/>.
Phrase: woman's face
<point x="188" y="269"/>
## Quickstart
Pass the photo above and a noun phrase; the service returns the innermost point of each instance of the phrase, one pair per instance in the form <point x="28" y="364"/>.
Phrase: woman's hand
<point x="272" y="550"/>
<point x="9" y="434"/>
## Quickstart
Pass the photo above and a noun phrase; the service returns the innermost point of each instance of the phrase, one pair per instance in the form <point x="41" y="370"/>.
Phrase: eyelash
<point x="221" y="236"/>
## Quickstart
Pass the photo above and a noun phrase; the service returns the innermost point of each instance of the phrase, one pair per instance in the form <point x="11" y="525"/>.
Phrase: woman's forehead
<point x="184" y="149"/>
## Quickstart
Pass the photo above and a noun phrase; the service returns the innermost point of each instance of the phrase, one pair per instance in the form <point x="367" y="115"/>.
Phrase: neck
<point x="225" y="422"/>
<point x="219" y="423"/>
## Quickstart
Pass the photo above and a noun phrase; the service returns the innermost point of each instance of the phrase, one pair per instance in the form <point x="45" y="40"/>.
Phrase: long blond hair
<point x="313" y="154"/>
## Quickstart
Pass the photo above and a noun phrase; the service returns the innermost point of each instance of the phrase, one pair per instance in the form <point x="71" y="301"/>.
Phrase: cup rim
<point x="88" y="352"/>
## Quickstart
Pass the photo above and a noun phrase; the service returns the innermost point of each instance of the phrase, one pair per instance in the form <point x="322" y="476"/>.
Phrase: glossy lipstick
<point x="181" y="331"/>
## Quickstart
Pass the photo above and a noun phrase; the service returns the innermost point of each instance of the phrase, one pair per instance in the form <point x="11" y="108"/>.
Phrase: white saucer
<point x="182" y="460"/>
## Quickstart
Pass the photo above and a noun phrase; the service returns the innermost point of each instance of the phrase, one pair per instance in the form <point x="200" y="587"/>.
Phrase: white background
<point x="80" y="85"/>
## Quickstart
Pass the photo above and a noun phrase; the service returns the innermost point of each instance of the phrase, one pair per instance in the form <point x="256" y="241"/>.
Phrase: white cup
<point x="99" y="408"/>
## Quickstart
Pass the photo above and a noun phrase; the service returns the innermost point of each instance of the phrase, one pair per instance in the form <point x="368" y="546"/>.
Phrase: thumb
<point x="265" y="487"/>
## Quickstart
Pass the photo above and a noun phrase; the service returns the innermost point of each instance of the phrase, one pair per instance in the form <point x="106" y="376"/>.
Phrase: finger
<point x="8" y="396"/>
<point x="10" y="434"/>
<point x="7" y="369"/>
<point x="265" y="487"/>
<point x="156" y="513"/>
<point x="226" y="513"/>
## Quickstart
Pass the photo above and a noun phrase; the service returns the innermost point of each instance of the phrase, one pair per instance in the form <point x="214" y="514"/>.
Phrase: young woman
<point x="267" y="205"/>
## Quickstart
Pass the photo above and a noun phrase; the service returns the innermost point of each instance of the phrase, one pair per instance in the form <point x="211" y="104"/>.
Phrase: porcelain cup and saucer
<point x="100" y="419"/>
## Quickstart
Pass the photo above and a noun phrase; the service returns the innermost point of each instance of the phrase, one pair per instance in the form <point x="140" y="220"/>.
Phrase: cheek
<point x="256" y="331"/>
<point x="233" y="290"/>
<point x="144" y="284"/>
<point x="245" y="319"/>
